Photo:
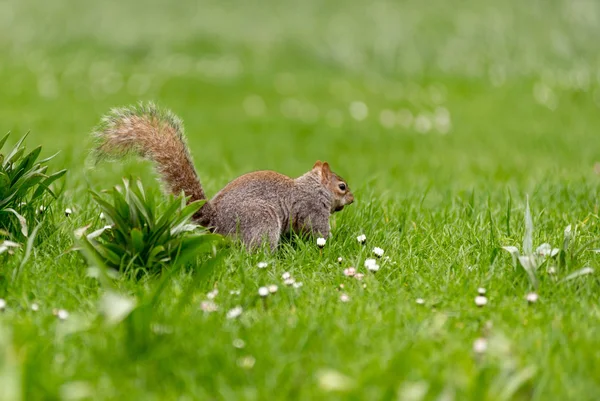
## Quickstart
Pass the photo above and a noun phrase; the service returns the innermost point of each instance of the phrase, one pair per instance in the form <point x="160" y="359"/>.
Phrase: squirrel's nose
<point x="350" y="200"/>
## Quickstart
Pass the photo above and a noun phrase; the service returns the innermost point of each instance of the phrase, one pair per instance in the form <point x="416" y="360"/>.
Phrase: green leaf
<point x="26" y="163"/>
<point x="3" y="140"/>
<point x="44" y="185"/>
<point x="17" y="150"/>
<point x="137" y="240"/>
<point x="4" y="185"/>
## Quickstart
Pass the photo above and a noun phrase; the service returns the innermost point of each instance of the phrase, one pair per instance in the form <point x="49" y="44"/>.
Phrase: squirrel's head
<point x="337" y="186"/>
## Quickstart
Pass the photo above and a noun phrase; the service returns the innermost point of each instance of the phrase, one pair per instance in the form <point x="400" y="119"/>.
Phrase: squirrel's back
<point x="259" y="193"/>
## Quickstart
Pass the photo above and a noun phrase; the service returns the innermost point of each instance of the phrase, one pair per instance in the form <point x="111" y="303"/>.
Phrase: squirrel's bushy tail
<point x="153" y="134"/>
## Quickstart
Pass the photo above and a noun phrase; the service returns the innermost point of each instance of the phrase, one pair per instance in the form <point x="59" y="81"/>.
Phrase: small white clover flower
<point x="35" y="307"/>
<point x="235" y="292"/>
<point x="235" y="312"/>
<point x="340" y="260"/>
<point x="286" y="276"/>
<point x="273" y="288"/>
<point x="289" y="281"/>
<point x="350" y="272"/>
<point x="532" y="297"/>
<point x="321" y="242"/>
<point x="68" y="212"/>
<point x="552" y="270"/>
<point x="481" y="291"/>
<point x="480" y="300"/>
<point x="62" y="314"/>
<point x="373" y="267"/>
<point x="359" y="276"/>
<point x="344" y="298"/>
<point x="298" y="284"/>
<point x="370" y="262"/>
<point x="263" y="291"/>
<point x="42" y="209"/>
<point x="239" y="343"/>
<point x="2" y="304"/>
<point x="208" y="306"/>
<point x="480" y="345"/>
<point x="212" y="294"/>
<point x="378" y="252"/>
<point x="420" y="301"/>
<point x="361" y="239"/>
<point x="262" y="265"/>
<point x="102" y="216"/>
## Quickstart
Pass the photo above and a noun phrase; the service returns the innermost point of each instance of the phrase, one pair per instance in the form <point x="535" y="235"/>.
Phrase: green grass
<point x="270" y="86"/>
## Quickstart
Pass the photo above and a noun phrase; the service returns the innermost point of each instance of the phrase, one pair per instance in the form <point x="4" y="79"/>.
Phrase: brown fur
<point x="256" y="207"/>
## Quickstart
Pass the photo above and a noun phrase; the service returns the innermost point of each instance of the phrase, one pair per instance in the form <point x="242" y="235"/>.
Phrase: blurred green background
<point x="408" y="93"/>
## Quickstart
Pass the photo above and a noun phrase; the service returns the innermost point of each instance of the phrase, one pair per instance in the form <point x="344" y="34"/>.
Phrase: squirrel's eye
<point x="342" y="186"/>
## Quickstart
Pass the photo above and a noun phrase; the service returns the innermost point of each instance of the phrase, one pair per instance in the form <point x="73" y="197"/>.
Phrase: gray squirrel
<point x="257" y="206"/>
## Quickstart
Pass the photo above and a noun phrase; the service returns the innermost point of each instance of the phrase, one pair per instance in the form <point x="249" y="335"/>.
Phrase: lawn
<point x="445" y="117"/>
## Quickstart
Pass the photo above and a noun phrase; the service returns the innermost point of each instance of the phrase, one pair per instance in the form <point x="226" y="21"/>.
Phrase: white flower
<point x="321" y="242"/>
<point x="374" y="268"/>
<point x="102" y="216"/>
<point x="62" y="314"/>
<point x="480" y="345"/>
<point x="344" y="298"/>
<point x="263" y="291"/>
<point x="235" y="292"/>
<point x="378" y="252"/>
<point x="551" y="270"/>
<point x="340" y="260"/>
<point x="2" y="304"/>
<point x="212" y="294"/>
<point x="286" y="276"/>
<point x="298" y="284"/>
<point x="361" y="238"/>
<point x="262" y="265"/>
<point x="372" y="265"/>
<point x="68" y="212"/>
<point x="532" y="297"/>
<point x="359" y="276"/>
<point x="350" y="272"/>
<point x="370" y="262"/>
<point x="35" y="307"/>
<point x="239" y="343"/>
<point x="42" y="208"/>
<point x="235" y="312"/>
<point x="480" y="300"/>
<point x="420" y="301"/>
<point x="208" y="306"/>
<point x="481" y="291"/>
<point x="273" y="288"/>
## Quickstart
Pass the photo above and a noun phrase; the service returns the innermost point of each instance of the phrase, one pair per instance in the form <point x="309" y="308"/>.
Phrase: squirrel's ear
<point x="325" y="172"/>
<point x="317" y="165"/>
